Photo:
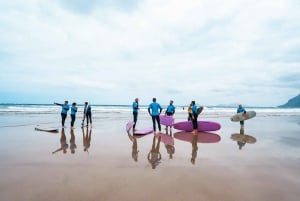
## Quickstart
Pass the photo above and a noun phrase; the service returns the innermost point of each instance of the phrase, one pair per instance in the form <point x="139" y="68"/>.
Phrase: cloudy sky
<point x="111" y="51"/>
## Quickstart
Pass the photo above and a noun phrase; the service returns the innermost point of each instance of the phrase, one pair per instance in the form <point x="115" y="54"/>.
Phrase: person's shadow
<point x="86" y="138"/>
<point x="154" y="155"/>
<point x="63" y="143"/>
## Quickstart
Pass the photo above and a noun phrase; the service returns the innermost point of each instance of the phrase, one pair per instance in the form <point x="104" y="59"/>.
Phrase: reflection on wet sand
<point x="73" y="145"/>
<point x="135" y="151"/>
<point x="86" y="138"/>
<point x="63" y="143"/>
<point x="168" y="141"/>
<point x="242" y="139"/>
<point x="194" y="149"/>
<point x="194" y="139"/>
<point x="154" y="155"/>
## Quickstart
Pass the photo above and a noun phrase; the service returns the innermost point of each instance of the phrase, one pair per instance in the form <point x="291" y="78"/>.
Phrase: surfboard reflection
<point x="242" y="139"/>
<point x="86" y="138"/>
<point x="201" y="137"/>
<point x="168" y="141"/>
<point x="63" y="143"/>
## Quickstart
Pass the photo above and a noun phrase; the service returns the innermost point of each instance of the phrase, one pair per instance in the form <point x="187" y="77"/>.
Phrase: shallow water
<point x="265" y="170"/>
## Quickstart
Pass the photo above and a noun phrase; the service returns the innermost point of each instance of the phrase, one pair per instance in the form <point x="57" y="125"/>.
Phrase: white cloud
<point x="211" y="51"/>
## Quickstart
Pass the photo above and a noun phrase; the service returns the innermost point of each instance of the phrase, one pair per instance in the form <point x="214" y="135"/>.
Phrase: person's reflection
<point x="241" y="144"/>
<point x="135" y="150"/>
<point x="170" y="148"/>
<point x="63" y="143"/>
<point x="194" y="148"/>
<point x="154" y="155"/>
<point x="86" y="137"/>
<point x="73" y="145"/>
<point x="242" y="139"/>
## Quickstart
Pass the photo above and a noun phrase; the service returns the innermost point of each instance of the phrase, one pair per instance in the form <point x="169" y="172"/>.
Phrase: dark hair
<point x="74" y="103"/>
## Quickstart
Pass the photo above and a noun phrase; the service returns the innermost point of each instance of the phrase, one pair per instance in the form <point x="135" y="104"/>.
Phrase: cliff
<point x="292" y="103"/>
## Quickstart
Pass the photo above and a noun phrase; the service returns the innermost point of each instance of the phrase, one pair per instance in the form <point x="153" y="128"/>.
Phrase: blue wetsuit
<point x="73" y="114"/>
<point x="135" y="108"/>
<point x="155" y="112"/>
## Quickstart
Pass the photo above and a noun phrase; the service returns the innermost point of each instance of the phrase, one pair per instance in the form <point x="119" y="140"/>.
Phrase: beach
<point x="265" y="170"/>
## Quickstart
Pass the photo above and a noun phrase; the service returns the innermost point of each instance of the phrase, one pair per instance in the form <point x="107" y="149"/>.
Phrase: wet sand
<point x="265" y="170"/>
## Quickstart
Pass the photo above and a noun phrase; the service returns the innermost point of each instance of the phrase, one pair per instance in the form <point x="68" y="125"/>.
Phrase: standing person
<point x="87" y="114"/>
<point x="64" y="112"/>
<point x="194" y="117"/>
<point x="73" y="114"/>
<point x="154" y="110"/>
<point x="240" y="109"/>
<point x="135" y="108"/>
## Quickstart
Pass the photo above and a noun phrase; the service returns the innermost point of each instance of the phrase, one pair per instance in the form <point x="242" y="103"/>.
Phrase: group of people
<point x="154" y="110"/>
<point x="87" y="113"/>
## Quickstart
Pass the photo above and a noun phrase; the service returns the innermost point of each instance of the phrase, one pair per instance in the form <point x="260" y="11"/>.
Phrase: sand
<point x="265" y="170"/>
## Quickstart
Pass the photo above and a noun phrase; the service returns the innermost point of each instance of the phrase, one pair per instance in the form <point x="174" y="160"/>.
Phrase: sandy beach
<point x="265" y="170"/>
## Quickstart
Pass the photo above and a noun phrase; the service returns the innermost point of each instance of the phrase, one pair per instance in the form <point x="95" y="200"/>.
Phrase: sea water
<point x="24" y="114"/>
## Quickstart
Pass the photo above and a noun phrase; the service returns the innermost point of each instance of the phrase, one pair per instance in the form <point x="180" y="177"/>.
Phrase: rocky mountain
<point x="292" y="103"/>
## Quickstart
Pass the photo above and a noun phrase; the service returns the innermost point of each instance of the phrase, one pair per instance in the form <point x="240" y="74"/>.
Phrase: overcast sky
<point x="111" y="51"/>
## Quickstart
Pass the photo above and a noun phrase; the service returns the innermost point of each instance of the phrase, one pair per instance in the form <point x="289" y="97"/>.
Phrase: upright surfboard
<point x="243" y="116"/>
<point x="203" y="137"/>
<point x="166" y="120"/>
<point x="202" y="126"/>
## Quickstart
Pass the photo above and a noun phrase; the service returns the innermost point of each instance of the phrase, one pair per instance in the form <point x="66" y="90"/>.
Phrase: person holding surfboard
<point x="87" y="114"/>
<point x="194" y="117"/>
<point x="64" y="111"/>
<point x="170" y="111"/>
<point x="240" y="109"/>
<point x="154" y="110"/>
<point x="135" y="108"/>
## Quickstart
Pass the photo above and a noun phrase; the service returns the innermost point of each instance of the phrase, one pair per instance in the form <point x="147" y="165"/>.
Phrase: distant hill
<point x="292" y="103"/>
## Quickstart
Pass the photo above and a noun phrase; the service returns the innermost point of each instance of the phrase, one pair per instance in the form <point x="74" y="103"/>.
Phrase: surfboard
<point x="143" y="131"/>
<point x="199" y="110"/>
<point x="129" y="126"/>
<point x="166" y="139"/>
<point x="202" y="126"/>
<point x="243" y="138"/>
<point x="203" y="137"/>
<point x="166" y="120"/>
<point x="243" y="116"/>
<point x="51" y="130"/>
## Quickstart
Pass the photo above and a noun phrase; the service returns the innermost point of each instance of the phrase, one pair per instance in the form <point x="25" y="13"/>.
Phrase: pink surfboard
<point x="203" y="137"/>
<point x="202" y="126"/>
<point x="166" y="120"/>
<point x="129" y="126"/>
<point x="166" y="139"/>
<point x="143" y="131"/>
